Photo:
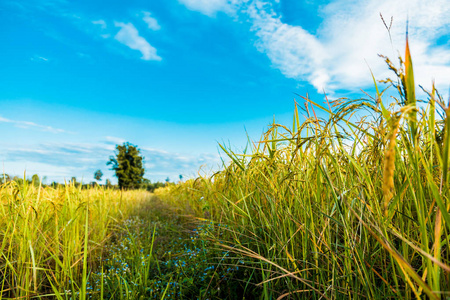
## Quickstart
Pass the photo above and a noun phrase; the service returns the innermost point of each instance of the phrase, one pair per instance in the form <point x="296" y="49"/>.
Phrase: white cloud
<point x="103" y="28"/>
<point x="353" y="31"/>
<point x="172" y="164"/>
<point x="114" y="140"/>
<point x="32" y="125"/>
<point x="129" y="36"/>
<point x="102" y="23"/>
<point x="152" y="23"/>
<point x="297" y="53"/>
<point x="350" y="34"/>
<point x="211" y="7"/>
<point x="39" y="58"/>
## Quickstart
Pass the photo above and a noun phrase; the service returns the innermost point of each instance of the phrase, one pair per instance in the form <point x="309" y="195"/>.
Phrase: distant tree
<point x="167" y="180"/>
<point x="128" y="166"/>
<point x="4" y="178"/>
<point x="35" y="180"/>
<point x="149" y="186"/>
<point x="108" y="183"/>
<point x="98" y="175"/>
<point x="74" y="181"/>
<point x="181" y="177"/>
<point x="18" y="180"/>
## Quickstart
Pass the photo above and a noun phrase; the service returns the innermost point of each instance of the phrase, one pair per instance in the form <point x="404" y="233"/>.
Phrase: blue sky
<point x="175" y="77"/>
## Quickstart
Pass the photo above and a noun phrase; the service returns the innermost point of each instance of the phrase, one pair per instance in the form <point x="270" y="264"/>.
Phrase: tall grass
<point x="51" y="239"/>
<point x="96" y="243"/>
<point x="350" y="205"/>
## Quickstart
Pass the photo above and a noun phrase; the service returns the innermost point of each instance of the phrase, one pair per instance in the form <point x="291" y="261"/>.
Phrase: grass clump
<point x="352" y="205"/>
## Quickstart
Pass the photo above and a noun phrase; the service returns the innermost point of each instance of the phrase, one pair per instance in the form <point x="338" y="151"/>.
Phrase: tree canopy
<point x="98" y="175"/>
<point x="35" y="180"/>
<point x="128" y="166"/>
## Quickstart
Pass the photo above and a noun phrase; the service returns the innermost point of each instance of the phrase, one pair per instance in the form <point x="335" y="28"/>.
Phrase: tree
<point x="54" y="184"/>
<point x="128" y="166"/>
<point x="35" y="180"/>
<point x="4" y="178"/>
<point x="108" y="183"/>
<point x="98" y="175"/>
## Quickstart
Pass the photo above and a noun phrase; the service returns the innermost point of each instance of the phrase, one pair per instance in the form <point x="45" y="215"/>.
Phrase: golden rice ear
<point x="389" y="163"/>
<point x="409" y="87"/>
<point x="409" y="76"/>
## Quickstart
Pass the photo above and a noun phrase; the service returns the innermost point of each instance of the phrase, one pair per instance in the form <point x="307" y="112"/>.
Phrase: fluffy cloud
<point x="353" y="32"/>
<point x="129" y="36"/>
<point x="297" y="53"/>
<point x="350" y="35"/>
<point x="152" y="23"/>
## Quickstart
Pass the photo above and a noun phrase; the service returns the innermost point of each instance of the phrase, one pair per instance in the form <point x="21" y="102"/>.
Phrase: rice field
<point x="66" y="242"/>
<point x="350" y="201"/>
<point x="49" y="236"/>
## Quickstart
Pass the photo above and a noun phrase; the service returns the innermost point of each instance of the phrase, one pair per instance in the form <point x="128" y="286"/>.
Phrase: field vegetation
<point x="350" y="203"/>
<point x="48" y="234"/>
<point x="93" y="242"/>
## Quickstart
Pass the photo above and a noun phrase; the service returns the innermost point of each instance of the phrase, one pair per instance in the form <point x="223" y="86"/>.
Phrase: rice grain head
<point x="389" y="163"/>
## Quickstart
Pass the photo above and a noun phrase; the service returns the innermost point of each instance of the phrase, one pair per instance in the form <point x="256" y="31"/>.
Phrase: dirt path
<point x="158" y="254"/>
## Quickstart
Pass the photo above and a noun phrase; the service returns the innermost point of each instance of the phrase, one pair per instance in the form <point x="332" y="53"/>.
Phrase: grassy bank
<point x="351" y="205"/>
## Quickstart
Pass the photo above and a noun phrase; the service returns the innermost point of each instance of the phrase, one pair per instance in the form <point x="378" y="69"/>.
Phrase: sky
<point x="177" y="77"/>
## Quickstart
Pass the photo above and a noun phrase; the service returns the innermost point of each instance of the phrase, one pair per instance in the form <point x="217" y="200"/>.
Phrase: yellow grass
<point x="50" y="237"/>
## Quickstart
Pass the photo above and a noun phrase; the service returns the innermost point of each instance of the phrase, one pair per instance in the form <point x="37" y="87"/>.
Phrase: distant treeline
<point x="36" y="181"/>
